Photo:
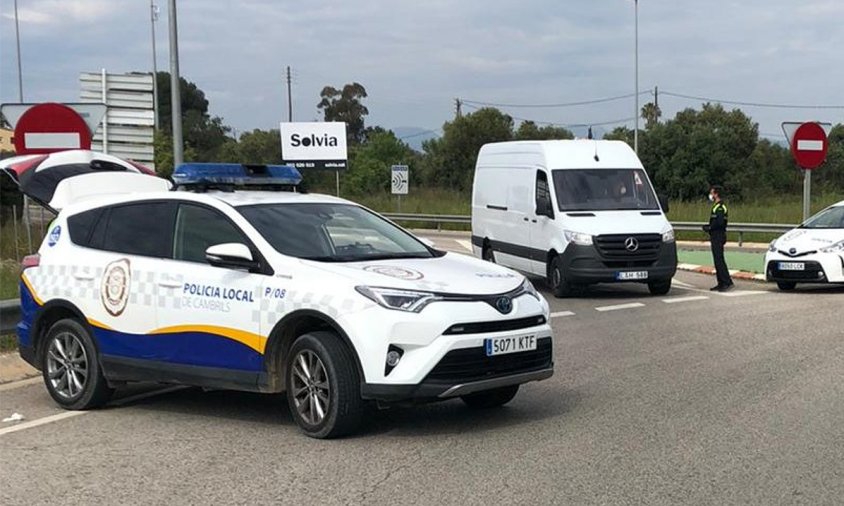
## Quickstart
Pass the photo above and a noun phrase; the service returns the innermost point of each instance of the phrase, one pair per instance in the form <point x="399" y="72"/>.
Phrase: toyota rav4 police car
<point x="267" y="291"/>
<point x="810" y="253"/>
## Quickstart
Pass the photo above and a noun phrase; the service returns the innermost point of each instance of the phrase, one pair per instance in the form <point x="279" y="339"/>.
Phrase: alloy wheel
<point x="67" y="365"/>
<point x="311" y="389"/>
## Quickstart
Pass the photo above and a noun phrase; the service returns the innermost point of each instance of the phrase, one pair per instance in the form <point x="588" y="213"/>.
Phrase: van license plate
<point x="505" y="345"/>
<point x="792" y="266"/>
<point x="631" y="275"/>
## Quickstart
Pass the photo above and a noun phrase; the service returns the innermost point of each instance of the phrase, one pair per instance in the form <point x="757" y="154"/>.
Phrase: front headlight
<point x="401" y="300"/>
<point x="773" y="246"/>
<point x="835" y="248"/>
<point x="578" y="238"/>
<point x="668" y="235"/>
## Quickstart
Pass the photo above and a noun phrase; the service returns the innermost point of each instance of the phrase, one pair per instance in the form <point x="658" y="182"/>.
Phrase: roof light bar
<point x="236" y="174"/>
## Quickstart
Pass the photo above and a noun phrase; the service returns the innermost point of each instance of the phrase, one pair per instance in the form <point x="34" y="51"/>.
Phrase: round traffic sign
<point x="50" y="127"/>
<point x="809" y="145"/>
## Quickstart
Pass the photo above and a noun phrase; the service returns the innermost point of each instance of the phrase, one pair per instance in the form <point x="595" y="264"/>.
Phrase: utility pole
<point x="18" y="41"/>
<point x="656" y="98"/>
<point x="289" y="97"/>
<point x="458" y="108"/>
<point x="175" y="88"/>
<point x="636" y="79"/>
<point x="153" y="16"/>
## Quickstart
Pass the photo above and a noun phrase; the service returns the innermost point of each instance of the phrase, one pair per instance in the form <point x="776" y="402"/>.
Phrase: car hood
<point x="809" y="239"/>
<point x="615" y="222"/>
<point x="451" y="273"/>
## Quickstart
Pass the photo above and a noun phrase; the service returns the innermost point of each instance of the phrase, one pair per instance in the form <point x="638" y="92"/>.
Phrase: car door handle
<point x="83" y="276"/>
<point x="169" y="284"/>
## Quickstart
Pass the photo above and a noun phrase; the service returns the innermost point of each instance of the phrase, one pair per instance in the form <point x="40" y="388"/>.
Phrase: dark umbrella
<point x="39" y="175"/>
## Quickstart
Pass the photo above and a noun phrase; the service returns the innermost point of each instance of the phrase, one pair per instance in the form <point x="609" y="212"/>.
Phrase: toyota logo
<point x="504" y="305"/>
<point x="631" y="244"/>
<point x="793" y="251"/>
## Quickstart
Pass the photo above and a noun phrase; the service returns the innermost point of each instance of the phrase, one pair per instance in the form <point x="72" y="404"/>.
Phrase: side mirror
<point x="232" y="256"/>
<point x="663" y="203"/>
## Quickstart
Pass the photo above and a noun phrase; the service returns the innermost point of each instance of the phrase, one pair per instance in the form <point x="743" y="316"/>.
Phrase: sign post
<point x="809" y="146"/>
<point x="318" y="145"/>
<point x="399" y="181"/>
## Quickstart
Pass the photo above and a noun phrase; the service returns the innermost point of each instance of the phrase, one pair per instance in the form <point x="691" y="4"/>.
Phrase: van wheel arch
<point x="286" y="331"/>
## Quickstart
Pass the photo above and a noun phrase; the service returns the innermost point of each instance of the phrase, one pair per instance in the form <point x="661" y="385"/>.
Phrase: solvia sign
<point x="314" y="145"/>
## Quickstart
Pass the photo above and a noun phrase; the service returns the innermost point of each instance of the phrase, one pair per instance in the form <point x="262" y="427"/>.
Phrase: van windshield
<point x="603" y="190"/>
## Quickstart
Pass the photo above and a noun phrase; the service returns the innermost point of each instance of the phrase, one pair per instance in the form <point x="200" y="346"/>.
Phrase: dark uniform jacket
<point x="718" y="218"/>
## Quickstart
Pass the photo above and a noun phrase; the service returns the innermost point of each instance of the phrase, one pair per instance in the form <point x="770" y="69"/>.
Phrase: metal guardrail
<point x="685" y="226"/>
<point x="10" y="311"/>
<point x="10" y="315"/>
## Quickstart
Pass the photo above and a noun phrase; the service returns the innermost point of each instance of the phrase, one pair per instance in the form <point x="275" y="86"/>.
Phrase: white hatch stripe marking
<point x="685" y="299"/>
<point x="809" y="145"/>
<point x="741" y="293"/>
<point x="620" y="306"/>
<point x="41" y="421"/>
<point x="467" y="245"/>
<point x="561" y="313"/>
<point x="681" y="283"/>
<point x="71" y="414"/>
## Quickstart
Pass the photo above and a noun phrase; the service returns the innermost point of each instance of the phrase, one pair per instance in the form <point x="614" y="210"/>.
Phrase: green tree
<point x="529" y="131"/>
<point x="830" y="176"/>
<point x="651" y="113"/>
<point x="346" y="105"/>
<point x="203" y="134"/>
<point x="370" y="162"/>
<point x="450" y="160"/>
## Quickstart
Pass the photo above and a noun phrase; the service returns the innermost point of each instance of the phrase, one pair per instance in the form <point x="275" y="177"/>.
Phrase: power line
<point x="752" y="104"/>
<point x="566" y="104"/>
<point x="562" y="125"/>
<point x="424" y="132"/>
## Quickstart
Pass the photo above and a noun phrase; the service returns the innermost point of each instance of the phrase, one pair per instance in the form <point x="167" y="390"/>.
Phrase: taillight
<point x="30" y="261"/>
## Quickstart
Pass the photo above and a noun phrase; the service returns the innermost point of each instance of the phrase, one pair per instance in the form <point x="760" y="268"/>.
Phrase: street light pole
<point x="636" y="79"/>
<point x="153" y="16"/>
<point x="18" y="41"/>
<point x="175" y="88"/>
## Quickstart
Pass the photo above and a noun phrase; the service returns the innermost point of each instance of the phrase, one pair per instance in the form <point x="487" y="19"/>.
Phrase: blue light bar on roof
<point x="235" y="174"/>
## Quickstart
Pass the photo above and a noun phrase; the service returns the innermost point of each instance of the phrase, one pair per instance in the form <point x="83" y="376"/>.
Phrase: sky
<point x="415" y="58"/>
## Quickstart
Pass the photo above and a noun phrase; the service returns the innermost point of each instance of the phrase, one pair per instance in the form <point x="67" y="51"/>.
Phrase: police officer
<point x="717" y="229"/>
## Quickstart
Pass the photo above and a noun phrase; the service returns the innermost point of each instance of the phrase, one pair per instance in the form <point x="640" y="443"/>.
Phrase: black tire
<point x="786" y="286"/>
<point x="71" y="367"/>
<point x="660" y="287"/>
<point x="488" y="254"/>
<point x="491" y="398"/>
<point x="345" y="407"/>
<point x="557" y="280"/>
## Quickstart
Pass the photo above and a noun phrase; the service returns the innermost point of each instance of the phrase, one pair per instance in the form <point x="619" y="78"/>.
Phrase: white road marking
<point x="674" y="300"/>
<point x="561" y="313"/>
<point x="40" y="421"/>
<point x="741" y="293"/>
<point x="22" y="383"/>
<point x="619" y="306"/>
<point x="70" y="414"/>
<point x="467" y="245"/>
<point x="681" y="283"/>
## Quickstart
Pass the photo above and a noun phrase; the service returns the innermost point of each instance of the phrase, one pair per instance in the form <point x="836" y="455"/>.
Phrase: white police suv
<point x="810" y="253"/>
<point x="267" y="291"/>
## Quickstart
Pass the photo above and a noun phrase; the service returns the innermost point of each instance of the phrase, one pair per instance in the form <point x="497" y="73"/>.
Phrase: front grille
<point x="472" y="364"/>
<point x="796" y="255"/>
<point x="812" y="272"/>
<point x="495" y="326"/>
<point x="615" y="254"/>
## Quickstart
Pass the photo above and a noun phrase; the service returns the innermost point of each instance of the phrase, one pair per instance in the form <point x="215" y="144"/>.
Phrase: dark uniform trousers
<point x="717" y="229"/>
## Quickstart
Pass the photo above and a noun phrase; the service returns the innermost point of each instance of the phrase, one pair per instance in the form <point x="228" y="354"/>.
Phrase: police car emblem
<point x="54" y="236"/>
<point x="395" y="272"/>
<point x="114" y="290"/>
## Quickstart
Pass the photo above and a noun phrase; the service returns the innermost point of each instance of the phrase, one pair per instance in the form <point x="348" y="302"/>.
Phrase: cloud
<point x="54" y="12"/>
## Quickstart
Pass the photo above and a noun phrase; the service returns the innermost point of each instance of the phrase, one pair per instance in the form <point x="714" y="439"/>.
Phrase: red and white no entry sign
<point x="47" y="128"/>
<point x="809" y="145"/>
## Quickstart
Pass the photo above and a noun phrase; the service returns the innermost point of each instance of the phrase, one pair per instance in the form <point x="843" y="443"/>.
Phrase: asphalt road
<point x="692" y="398"/>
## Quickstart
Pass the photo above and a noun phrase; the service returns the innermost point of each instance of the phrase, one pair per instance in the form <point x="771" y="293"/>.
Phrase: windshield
<point x="603" y="190"/>
<point x="832" y="217"/>
<point x="332" y="232"/>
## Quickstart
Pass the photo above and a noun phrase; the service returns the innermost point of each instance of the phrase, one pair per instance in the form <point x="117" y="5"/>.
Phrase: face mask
<point x="711" y="198"/>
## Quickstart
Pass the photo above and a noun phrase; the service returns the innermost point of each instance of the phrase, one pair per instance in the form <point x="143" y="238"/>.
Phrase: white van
<point x="577" y="212"/>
